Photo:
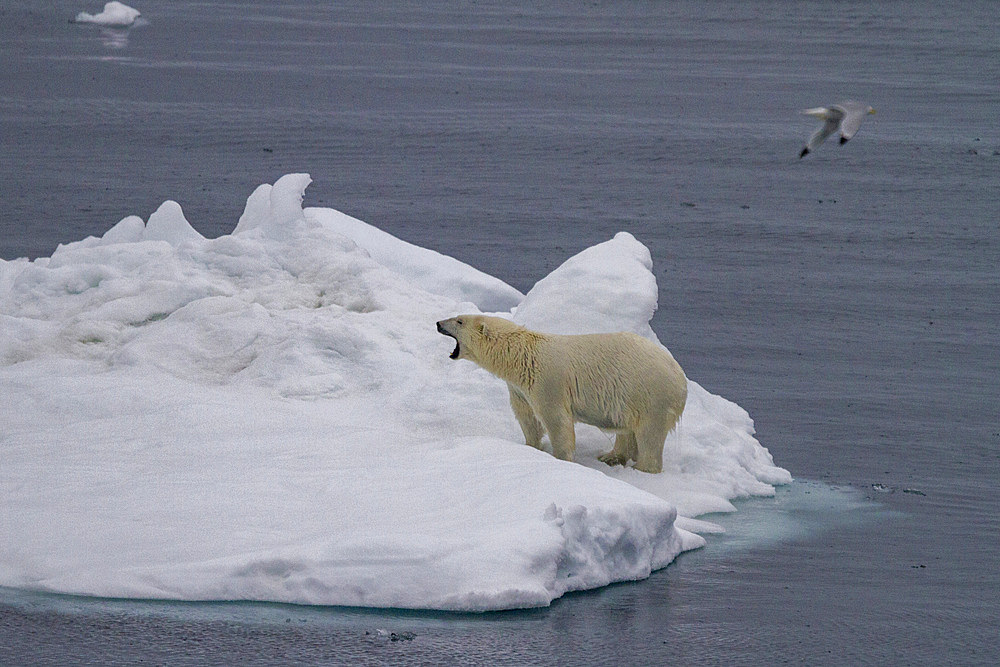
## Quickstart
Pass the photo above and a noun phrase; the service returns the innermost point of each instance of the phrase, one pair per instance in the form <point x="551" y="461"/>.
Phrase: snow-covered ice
<point x="114" y="14"/>
<point x="271" y="415"/>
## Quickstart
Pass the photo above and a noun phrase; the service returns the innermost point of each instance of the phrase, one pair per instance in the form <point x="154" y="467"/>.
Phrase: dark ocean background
<point x="850" y="301"/>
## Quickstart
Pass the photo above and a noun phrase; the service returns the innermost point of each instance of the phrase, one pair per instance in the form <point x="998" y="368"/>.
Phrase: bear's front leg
<point x="530" y="426"/>
<point x="561" y="434"/>
<point x="625" y="448"/>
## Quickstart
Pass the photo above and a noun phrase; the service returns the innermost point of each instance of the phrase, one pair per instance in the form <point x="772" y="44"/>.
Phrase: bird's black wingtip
<point x="843" y="140"/>
<point x="803" y="153"/>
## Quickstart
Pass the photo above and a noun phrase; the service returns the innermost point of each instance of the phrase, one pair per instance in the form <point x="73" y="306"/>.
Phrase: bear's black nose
<point x="441" y="328"/>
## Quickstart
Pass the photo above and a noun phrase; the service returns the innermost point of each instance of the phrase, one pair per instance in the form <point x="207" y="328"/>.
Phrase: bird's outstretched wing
<point x="821" y="135"/>
<point x="831" y="117"/>
<point x="825" y="113"/>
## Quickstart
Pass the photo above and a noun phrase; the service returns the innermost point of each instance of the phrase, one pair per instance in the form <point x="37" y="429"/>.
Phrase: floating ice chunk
<point x="295" y="385"/>
<point x="115" y="14"/>
<point x="169" y="224"/>
<point x="128" y="230"/>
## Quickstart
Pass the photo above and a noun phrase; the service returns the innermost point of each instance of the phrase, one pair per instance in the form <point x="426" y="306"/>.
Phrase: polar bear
<point x="620" y="382"/>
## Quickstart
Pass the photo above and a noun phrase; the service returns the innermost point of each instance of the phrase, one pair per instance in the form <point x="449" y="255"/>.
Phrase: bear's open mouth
<point x="458" y="346"/>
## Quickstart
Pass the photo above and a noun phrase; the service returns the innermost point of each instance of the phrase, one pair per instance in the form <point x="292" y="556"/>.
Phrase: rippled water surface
<point x="847" y="300"/>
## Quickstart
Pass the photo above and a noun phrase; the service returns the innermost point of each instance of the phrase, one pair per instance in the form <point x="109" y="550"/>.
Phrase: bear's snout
<point x="458" y="346"/>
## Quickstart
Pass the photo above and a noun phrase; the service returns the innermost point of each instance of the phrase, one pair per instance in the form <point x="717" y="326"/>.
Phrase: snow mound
<point x="432" y="271"/>
<point x="274" y="209"/>
<point x="114" y="14"/>
<point x="271" y="415"/>
<point x="168" y="224"/>
<point x="607" y="288"/>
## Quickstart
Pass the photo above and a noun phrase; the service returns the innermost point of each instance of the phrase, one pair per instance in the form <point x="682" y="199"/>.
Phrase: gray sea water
<point x="849" y="300"/>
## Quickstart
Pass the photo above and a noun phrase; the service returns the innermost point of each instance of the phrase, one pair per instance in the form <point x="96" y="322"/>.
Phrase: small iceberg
<point x="271" y="415"/>
<point x="115" y="14"/>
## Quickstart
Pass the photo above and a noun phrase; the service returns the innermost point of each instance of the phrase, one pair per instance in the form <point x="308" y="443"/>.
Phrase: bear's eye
<point x="459" y="322"/>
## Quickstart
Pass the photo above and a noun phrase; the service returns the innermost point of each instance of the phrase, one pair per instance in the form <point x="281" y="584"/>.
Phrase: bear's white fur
<point x="619" y="381"/>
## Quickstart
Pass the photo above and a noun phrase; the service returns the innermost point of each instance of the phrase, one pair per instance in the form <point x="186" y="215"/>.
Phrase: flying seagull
<point x="846" y="117"/>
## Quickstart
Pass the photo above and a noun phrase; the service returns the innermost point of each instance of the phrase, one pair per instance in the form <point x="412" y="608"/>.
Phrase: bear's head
<point x="463" y="329"/>
<point x="471" y="332"/>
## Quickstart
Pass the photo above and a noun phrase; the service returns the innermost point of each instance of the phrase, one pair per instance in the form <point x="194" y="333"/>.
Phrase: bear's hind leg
<point x="530" y="426"/>
<point x="650" y="437"/>
<point x="625" y="449"/>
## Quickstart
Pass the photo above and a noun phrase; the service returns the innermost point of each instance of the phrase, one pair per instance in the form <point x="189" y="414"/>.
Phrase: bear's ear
<point x="481" y="326"/>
